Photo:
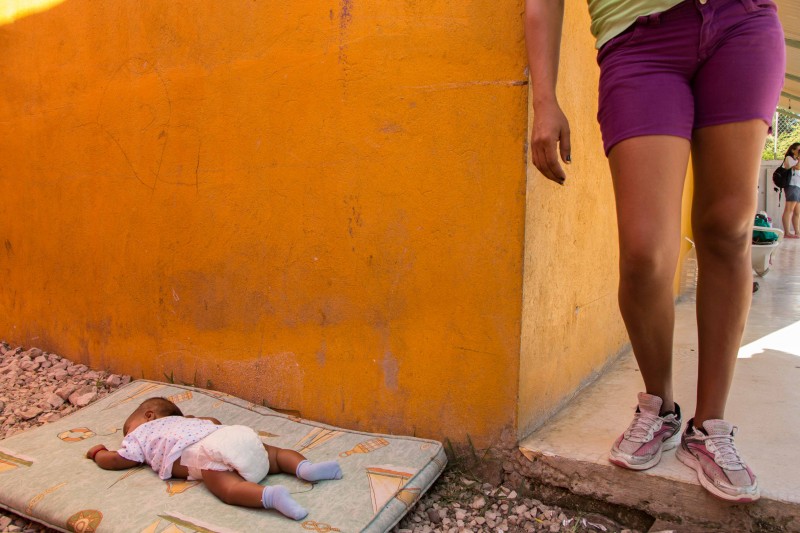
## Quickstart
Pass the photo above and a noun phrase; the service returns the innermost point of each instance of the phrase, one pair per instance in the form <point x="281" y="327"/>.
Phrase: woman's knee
<point x="729" y="217"/>
<point x="645" y="264"/>
<point x="727" y="239"/>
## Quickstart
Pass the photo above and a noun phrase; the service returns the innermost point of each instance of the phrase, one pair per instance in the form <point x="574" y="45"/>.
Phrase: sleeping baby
<point x="230" y="460"/>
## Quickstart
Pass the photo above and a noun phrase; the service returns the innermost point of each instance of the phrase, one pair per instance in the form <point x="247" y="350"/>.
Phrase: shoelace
<point x="724" y="450"/>
<point x="643" y="427"/>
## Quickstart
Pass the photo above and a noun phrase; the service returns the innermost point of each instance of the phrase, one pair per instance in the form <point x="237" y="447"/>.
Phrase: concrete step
<point x="571" y="449"/>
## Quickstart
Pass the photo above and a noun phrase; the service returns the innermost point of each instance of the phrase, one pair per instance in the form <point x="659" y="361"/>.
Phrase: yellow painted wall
<point x="685" y="271"/>
<point x="571" y="325"/>
<point x="571" y="322"/>
<point x="317" y="204"/>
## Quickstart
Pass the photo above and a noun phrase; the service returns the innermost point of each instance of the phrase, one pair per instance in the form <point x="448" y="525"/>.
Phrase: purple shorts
<point x="697" y="64"/>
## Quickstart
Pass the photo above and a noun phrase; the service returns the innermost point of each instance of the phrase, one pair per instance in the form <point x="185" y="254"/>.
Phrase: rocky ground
<point x="38" y="387"/>
<point x="481" y="490"/>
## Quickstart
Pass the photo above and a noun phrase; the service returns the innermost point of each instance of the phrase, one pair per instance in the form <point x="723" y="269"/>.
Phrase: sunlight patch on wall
<point x="11" y="10"/>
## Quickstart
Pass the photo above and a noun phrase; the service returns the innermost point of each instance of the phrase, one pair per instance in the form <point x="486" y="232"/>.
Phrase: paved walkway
<point x="571" y="450"/>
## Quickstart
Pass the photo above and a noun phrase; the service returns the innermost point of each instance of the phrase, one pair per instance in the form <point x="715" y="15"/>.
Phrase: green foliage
<point x="172" y="381"/>
<point x="788" y="131"/>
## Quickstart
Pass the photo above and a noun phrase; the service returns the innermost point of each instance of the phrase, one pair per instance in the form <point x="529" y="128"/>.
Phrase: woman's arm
<point x="543" y="22"/>
<point x="109" y="460"/>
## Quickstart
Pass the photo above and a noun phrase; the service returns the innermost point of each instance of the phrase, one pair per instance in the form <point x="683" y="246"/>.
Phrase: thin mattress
<point x="45" y="476"/>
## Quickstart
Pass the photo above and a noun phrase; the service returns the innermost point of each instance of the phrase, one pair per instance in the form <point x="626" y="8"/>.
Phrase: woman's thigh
<point x="648" y="174"/>
<point x="726" y="160"/>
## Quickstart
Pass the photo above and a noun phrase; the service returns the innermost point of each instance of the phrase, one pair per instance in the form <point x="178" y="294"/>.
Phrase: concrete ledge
<point x="571" y="450"/>
<point x="677" y="502"/>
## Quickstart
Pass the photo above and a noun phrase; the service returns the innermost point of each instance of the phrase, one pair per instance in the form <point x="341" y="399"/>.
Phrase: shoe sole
<point x="667" y="445"/>
<point x="689" y="460"/>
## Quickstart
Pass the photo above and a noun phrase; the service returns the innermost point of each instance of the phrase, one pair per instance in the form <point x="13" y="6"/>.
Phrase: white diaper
<point x="229" y="448"/>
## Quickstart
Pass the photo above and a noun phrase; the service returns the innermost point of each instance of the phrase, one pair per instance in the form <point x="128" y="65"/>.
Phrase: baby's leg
<point x="283" y="461"/>
<point x="233" y="489"/>
<point x="178" y="470"/>
<point x="286" y="461"/>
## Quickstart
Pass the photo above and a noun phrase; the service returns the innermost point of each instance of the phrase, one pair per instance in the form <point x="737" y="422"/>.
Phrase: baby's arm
<point x="209" y="418"/>
<point x="108" y="459"/>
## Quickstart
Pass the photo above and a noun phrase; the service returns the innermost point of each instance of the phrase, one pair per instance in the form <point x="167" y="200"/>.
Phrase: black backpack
<point x="781" y="177"/>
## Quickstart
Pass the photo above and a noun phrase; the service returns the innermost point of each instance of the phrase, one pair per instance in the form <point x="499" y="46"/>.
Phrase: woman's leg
<point x="648" y="174"/>
<point x="786" y="219"/>
<point x="796" y="218"/>
<point x="726" y="160"/>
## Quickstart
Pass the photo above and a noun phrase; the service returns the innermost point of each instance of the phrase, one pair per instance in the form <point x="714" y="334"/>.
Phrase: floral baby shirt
<point x="160" y="442"/>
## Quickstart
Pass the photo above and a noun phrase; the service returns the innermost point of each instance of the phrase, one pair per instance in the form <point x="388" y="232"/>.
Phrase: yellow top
<point x="612" y="17"/>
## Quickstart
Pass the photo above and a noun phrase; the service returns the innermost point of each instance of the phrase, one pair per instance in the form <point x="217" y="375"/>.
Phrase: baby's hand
<point x="93" y="451"/>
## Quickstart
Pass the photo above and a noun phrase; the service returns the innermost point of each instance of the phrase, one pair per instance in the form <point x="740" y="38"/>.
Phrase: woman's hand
<point x="550" y="131"/>
<point x="550" y="136"/>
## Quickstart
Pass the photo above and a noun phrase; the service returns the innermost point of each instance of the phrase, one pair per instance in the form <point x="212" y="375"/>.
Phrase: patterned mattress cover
<point x="45" y="476"/>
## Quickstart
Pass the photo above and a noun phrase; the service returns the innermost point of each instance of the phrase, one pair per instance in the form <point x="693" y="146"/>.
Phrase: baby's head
<point x="150" y="409"/>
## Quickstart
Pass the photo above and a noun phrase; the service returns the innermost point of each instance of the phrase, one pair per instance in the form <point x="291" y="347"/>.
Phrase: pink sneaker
<point x="713" y="455"/>
<point x="648" y="436"/>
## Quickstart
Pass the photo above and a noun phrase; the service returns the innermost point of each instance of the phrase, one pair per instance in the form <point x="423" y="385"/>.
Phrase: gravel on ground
<point x="480" y="491"/>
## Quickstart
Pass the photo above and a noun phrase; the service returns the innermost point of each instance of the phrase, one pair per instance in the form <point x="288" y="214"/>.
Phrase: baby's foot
<point x="319" y="471"/>
<point x="277" y="497"/>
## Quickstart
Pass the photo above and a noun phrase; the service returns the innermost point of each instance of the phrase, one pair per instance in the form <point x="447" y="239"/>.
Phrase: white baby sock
<point x="277" y="497"/>
<point x="319" y="471"/>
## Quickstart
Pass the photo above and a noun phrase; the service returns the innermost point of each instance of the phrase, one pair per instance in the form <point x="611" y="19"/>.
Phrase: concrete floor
<point x="571" y="450"/>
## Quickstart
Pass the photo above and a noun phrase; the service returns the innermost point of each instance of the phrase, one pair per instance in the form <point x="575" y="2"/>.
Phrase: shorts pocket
<point x="628" y="36"/>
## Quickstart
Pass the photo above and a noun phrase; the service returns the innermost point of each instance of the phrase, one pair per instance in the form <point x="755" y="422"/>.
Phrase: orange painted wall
<point x="314" y="204"/>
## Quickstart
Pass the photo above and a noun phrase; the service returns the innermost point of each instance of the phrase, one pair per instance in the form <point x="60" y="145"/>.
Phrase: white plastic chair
<point x="762" y="251"/>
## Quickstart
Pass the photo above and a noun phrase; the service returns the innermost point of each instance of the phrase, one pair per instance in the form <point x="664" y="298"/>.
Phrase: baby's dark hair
<point x="162" y="406"/>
